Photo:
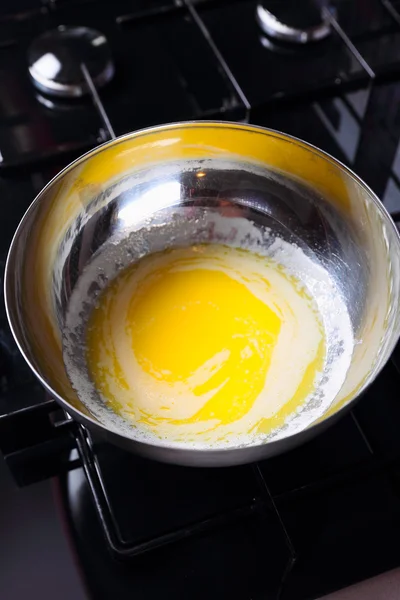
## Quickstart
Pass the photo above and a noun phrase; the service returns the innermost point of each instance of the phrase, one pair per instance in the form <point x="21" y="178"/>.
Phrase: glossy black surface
<point x="238" y="560"/>
<point x="361" y="18"/>
<point x="337" y="498"/>
<point x="154" y="82"/>
<point x="302" y="524"/>
<point x="34" y="127"/>
<point x="269" y="70"/>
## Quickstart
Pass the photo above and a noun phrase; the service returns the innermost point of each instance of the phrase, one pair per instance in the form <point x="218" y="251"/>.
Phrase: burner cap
<point x="55" y="60"/>
<point x="291" y="21"/>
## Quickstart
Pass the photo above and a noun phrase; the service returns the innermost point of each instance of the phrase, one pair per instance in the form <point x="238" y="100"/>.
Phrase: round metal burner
<point x="56" y="58"/>
<point x="291" y="21"/>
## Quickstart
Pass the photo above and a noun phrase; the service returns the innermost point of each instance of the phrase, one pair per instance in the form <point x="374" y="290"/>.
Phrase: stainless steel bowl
<point x="194" y="182"/>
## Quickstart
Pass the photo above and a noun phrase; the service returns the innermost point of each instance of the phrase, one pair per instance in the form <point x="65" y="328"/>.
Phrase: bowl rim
<point x="87" y="419"/>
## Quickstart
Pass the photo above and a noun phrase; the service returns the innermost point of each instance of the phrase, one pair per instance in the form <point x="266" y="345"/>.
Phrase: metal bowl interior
<point x="188" y="183"/>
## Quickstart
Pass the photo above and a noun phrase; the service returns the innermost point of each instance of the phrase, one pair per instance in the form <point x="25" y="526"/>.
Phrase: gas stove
<point x="77" y="73"/>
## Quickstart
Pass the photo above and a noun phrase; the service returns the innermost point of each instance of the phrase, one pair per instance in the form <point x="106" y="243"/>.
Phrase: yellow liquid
<point x="205" y="344"/>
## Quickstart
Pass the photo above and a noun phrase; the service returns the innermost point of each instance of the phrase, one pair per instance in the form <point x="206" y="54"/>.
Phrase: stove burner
<point x="284" y="21"/>
<point x="56" y="58"/>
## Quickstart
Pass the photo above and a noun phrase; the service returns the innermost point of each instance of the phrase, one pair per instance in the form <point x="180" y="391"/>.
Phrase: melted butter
<point x="205" y="343"/>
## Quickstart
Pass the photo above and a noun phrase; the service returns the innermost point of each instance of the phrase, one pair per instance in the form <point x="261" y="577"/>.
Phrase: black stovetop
<point x="294" y="527"/>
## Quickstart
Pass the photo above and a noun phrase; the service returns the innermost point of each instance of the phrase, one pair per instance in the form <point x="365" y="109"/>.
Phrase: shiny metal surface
<point x="166" y="186"/>
<point x="56" y="57"/>
<point x="276" y="28"/>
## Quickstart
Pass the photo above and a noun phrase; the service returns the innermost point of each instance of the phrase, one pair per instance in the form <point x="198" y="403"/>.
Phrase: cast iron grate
<point x="276" y="495"/>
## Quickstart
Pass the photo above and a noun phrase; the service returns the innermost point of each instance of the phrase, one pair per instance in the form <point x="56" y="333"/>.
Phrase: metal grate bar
<point x="97" y="102"/>
<point x="221" y="60"/>
<point x="288" y="541"/>
<point x="271" y="502"/>
<point x="345" y="38"/>
<point x="362" y="433"/>
<point x="119" y="547"/>
<point x="391" y="10"/>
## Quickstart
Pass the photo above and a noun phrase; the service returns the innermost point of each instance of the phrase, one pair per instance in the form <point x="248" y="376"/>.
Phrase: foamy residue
<point x="206" y="226"/>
